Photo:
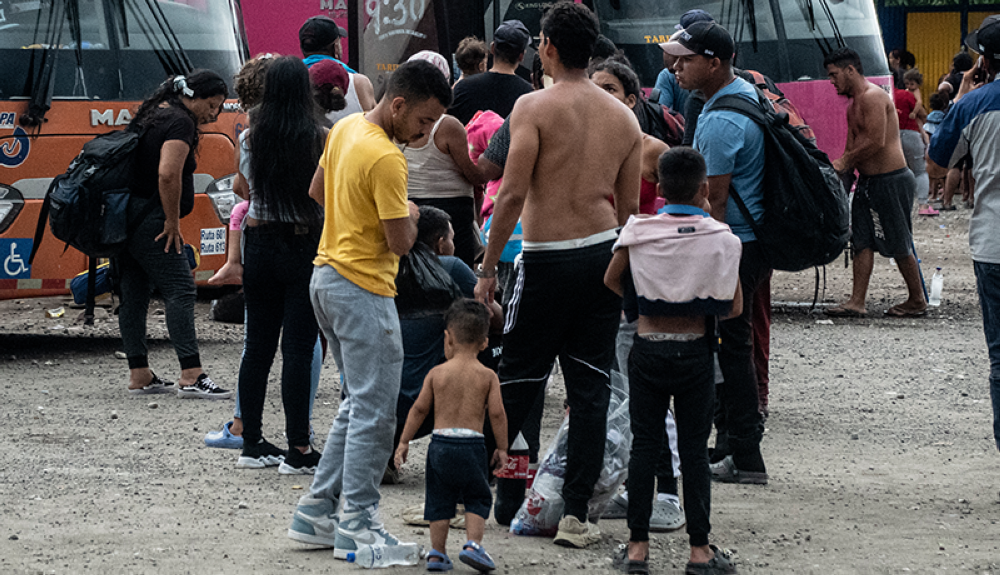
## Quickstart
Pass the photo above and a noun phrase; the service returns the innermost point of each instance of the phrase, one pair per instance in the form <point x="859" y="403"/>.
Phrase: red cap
<point x="329" y="72"/>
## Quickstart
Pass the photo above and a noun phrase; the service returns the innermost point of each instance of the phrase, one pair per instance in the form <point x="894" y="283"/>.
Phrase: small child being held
<point x="461" y="391"/>
<point x="685" y="269"/>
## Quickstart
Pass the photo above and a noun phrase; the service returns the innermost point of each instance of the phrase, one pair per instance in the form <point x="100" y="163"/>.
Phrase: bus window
<point x="810" y="28"/>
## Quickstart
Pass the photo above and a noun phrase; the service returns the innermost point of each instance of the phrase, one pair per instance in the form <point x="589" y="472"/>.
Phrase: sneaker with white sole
<point x="667" y="516"/>
<point x="314" y="522"/>
<point x="155" y="385"/>
<point x="203" y="388"/>
<point x="259" y="456"/>
<point x="573" y="533"/>
<point x="362" y="527"/>
<point x="298" y="463"/>
<point x="725" y="471"/>
<point x="224" y="439"/>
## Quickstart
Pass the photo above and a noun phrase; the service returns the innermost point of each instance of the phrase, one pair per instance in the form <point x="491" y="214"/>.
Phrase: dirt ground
<point x="879" y="449"/>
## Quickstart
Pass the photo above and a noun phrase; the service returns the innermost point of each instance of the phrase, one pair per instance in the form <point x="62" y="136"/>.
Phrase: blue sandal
<point x="476" y="557"/>
<point x="442" y="563"/>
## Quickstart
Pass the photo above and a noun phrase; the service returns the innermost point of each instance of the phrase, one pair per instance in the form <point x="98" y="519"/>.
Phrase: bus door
<point x="784" y="39"/>
<point x="76" y="69"/>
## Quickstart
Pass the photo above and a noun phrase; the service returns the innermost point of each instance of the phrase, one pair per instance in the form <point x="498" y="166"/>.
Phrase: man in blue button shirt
<point x="733" y="147"/>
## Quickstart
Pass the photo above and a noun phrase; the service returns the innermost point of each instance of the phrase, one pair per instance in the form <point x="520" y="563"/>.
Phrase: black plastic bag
<point x="422" y="283"/>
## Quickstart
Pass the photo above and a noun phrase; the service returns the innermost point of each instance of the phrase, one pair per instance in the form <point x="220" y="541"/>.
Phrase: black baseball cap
<point x="514" y="34"/>
<point x="319" y="32"/>
<point x="986" y="40"/>
<point x="702" y="39"/>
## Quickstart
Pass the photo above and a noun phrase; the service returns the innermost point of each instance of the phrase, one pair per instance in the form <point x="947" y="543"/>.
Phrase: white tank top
<point x="353" y="104"/>
<point x="433" y="173"/>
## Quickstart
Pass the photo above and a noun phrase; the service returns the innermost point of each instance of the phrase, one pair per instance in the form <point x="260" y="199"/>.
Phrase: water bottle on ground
<point x="378" y="556"/>
<point x="937" y="284"/>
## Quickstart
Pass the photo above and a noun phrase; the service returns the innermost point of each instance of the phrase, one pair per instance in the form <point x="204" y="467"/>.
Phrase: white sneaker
<point x="362" y="527"/>
<point x="573" y="533"/>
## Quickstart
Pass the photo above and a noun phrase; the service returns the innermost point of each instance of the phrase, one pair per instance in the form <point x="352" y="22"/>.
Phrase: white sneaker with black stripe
<point x="203" y="388"/>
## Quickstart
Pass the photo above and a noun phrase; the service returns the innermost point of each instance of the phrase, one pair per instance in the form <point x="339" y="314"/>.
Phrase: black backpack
<point x="806" y="221"/>
<point x="87" y="207"/>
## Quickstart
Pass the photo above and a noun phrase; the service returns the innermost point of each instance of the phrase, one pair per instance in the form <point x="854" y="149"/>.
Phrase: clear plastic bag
<point x="543" y="506"/>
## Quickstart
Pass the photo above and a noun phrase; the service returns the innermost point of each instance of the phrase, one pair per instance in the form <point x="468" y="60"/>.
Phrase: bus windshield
<point x="114" y="49"/>
<point x="784" y="39"/>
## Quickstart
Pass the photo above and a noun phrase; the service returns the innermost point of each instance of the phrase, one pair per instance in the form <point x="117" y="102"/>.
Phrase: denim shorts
<point x="456" y="472"/>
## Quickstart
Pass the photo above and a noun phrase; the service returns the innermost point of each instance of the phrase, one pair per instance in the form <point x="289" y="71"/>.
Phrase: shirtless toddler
<point x="461" y="391"/>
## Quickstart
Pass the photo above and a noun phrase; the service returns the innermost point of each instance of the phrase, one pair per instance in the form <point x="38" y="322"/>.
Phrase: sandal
<point x="720" y="564"/>
<point x="844" y="312"/>
<point x="442" y="563"/>
<point x="631" y="566"/>
<point x="155" y="385"/>
<point x="476" y="557"/>
<point x="896" y="311"/>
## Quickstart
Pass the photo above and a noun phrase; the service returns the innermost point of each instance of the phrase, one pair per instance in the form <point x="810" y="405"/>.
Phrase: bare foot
<point x="229" y="274"/>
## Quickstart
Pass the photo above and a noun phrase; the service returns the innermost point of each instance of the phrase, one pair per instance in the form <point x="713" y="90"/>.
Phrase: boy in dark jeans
<point x="681" y="273"/>
<point x="460" y="390"/>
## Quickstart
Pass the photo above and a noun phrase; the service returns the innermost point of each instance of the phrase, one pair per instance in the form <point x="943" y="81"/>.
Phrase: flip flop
<point x="844" y="312"/>
<point x="895" y="311"/>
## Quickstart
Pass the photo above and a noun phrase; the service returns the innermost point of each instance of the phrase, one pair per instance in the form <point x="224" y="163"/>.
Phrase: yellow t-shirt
<point x="365" y="182"/>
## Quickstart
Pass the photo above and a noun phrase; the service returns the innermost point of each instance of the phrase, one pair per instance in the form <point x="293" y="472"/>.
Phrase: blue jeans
<point x="988" y="285"/>
<point x="362" y="329"/>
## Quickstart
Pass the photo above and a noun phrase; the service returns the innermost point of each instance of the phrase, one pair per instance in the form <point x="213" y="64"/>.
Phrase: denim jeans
<point x="988" y="285"/>
<point x="143" y="266"/>
<point x="277" y="269"/>
<point x="362" y="329"/>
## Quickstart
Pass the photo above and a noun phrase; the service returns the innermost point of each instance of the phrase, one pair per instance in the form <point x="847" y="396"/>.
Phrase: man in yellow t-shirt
<point x="361" y="184"/>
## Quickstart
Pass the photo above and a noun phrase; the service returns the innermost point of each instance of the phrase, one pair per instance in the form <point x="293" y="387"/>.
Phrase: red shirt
<point x="905" y="103"/>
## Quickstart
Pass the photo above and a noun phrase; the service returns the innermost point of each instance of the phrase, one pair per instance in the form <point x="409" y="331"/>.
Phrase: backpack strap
<point x="43" y="220"/>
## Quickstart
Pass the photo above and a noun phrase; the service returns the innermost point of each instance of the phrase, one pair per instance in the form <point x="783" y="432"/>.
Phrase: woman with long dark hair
<point x="278" y="156"/>
<point x="163" y="193"/>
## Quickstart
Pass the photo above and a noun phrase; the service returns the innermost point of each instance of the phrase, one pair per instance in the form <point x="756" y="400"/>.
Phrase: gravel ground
<point x="879" y="449"/>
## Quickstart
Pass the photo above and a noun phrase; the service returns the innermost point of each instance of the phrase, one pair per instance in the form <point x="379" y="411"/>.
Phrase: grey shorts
<point x="880" y="213"/>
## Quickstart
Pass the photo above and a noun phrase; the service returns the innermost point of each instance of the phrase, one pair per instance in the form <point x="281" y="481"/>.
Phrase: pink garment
<point x="689" y="264"/>
<point x="236" y="216"/>
<point x="480" y="129"/>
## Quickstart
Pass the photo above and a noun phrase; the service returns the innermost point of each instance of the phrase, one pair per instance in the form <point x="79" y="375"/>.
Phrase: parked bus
<point x="783" y="39"/>
<point x="274" y="26"/>
<point x="73" y="69"/>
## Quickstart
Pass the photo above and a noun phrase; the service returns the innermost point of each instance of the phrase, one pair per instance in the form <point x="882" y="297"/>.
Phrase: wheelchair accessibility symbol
<point x="15" y="258"/>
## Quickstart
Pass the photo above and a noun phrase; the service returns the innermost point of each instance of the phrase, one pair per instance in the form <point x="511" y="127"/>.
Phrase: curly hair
<point x="249" y="81"/>
<point x="470" y="54"/>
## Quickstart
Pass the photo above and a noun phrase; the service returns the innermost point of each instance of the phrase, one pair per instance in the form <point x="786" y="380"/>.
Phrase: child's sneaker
<point x="314" y="522"/>
<point x="476" y="557"/>
<point x="361" y="527"/>
<point x="260" y="456"/>
<point x="298" y="463"/>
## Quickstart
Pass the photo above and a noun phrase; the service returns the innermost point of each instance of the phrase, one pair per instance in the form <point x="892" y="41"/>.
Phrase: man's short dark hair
<point x="468" y="321"/>
<point x="417" y="81"/>
<point x="432" y="225"/>
<point x="962" y="62"/>
<point x="572" y="28"/>
<point x="682" y="171"/>
<point x="844" y="57"/>
<point x="507" y="53"/>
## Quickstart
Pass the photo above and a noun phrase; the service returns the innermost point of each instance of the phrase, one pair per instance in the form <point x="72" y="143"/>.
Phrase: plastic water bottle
<point x="378" y="556"/>
<point x="937" y="284"/>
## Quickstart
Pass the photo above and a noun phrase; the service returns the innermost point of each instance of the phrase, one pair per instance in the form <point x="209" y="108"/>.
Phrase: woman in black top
<point x="164" y="176"/>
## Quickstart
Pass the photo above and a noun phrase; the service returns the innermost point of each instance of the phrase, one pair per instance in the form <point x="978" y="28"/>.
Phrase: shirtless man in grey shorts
<point x="572" y="146"/>
<point x="880" y="210"/>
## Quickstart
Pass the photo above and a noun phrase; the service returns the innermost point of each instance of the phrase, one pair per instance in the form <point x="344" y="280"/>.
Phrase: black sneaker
<point x="298" y="463"/>
<point x="203" y="388"/>
<point x="260" y="456"/>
